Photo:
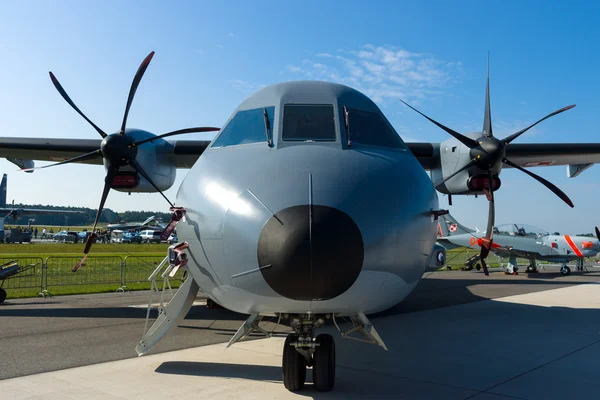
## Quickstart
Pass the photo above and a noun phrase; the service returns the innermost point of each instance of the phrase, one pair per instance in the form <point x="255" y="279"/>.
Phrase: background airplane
<point x="150" y="223"/>
<point x="521" y="241"/>
<point x="16" y="213"/>
<point x="307" y="205"/>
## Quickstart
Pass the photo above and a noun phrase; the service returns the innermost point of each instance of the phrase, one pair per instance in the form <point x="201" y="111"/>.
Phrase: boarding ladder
<point x="172" y="312"/>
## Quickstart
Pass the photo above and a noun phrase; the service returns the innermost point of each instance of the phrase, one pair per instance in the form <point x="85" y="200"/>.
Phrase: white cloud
<point x="231" y="34"/>
<point x="382" y="72"/>
<point x="245" y="86"/>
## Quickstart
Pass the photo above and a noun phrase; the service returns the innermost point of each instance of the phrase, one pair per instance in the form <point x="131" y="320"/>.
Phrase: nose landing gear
<point x="301" y="350"/>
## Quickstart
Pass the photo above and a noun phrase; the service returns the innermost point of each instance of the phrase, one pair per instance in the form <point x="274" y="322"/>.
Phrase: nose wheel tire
<point x="2" y="295"/>
<point x="566" y="271"/>
<point x="324" y="363"/>
<point x="294" y="366"/>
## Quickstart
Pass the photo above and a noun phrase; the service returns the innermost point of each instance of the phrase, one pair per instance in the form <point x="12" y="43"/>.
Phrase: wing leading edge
<point x="188" y="151"/>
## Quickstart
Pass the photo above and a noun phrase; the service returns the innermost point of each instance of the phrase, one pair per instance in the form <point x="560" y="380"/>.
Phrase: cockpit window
<point x="303" y="122"/>
<point x="371" y="128"/>
<point x="519" y="230"/>
<point x="246" y="127"/>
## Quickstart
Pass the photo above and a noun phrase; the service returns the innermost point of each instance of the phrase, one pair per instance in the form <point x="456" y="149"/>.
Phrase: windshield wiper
<point x="347" y="126"/>
<point x="267" y="127"/>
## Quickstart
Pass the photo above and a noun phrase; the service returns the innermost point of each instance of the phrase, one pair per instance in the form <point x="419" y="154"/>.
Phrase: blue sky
<point x="211" y="55"/>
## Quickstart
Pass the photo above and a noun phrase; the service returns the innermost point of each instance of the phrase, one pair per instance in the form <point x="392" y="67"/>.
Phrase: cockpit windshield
<point x="519" y="230"/>
<point x="372" y="129"/>
<point x="308" y="122"/>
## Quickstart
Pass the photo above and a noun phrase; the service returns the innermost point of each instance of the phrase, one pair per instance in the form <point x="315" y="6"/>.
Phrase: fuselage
<point x="307" y="226"/>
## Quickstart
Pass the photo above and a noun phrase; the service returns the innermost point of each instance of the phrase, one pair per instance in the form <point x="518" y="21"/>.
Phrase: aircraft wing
<point x="188" y="151"/>
<point x="525" y="155"/>
<point x="505" y="252"/>
<point x="55" y="150"/>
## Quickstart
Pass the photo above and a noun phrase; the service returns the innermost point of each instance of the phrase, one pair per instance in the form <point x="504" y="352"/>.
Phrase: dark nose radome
<point x="310" y="252"/>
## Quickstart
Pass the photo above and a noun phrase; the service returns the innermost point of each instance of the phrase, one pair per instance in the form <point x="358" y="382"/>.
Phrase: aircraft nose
<point x="310" y="252"/>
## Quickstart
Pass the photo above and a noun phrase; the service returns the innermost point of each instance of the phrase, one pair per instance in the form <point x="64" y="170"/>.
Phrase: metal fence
<point x="40" y="274"/>
<point x="30" y="274"/>
<point x="55" y="271"/>
<point x="137" y="269"/>
<point x="97" y="270"/>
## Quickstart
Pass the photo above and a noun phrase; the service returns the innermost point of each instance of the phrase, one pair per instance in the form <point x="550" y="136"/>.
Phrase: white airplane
<point x="307" y="206"/>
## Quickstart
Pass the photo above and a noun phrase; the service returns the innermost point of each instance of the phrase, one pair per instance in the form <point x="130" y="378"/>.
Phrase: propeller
<point x="489" y="154"/>
<point x="597" y="233"/>
<point x="117" y="149"/>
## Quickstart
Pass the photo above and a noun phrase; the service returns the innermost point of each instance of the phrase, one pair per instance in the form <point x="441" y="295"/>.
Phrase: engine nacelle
<point x="156" y="158"/>
<point x="21" y="163"/>
<point x="453" y="156"/>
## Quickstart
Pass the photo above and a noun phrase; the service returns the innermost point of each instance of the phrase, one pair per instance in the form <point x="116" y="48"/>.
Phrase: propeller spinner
<point x="118" y="149"/>
<point x="489" y="153"/>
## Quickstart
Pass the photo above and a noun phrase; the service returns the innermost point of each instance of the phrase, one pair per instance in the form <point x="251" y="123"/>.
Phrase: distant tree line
<point x="87" y="218"/>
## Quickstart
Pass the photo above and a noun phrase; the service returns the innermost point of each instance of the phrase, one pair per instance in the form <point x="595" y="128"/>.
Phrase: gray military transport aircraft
<point x="521" y="241"/>
<point x="306" y="206"/>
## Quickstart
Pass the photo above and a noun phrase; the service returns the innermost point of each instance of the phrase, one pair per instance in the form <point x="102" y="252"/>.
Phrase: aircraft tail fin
<point x="448" y="226"/>
<point x="3" y="192"/>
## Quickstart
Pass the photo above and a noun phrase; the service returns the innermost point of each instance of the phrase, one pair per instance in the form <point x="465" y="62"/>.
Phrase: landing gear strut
<point x="512" y="267"/>
<point x="579" y="265"/>
<point x="532" y="268"/>
<point x="301" y="350"/>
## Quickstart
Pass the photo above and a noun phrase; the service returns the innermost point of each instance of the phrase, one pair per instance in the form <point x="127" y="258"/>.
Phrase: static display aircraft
<point x="521" y="241"/>
<point x="150" y="223"/>
<point x="16" y="213"/>
<point x="307" y="206"/>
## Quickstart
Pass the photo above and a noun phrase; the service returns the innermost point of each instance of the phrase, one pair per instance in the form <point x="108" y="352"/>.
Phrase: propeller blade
<point x="83" y="157"/>
<point x="179" y="132"/>
<point x="134" y="85"/>
<point x="65" y="96"/>
<point x="544" y="182"/>
<point x="110" y="175"/>
<point x="487" y="115"/>
<point x="512" y="137"/>
<point x="470" y="143"/>
<point x="141" y="171"/>
<point x="597" y="233"/>
<point x="467" y="166"/>
<point x="486" y="243"/>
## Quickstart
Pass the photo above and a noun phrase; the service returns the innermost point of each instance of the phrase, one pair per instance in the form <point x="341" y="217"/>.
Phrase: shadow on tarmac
<point x="500" y="348"/>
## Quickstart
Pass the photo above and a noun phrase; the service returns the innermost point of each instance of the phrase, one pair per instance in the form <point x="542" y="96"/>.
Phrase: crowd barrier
<point x="30" y="274"/>
<point x="55" y="271"/>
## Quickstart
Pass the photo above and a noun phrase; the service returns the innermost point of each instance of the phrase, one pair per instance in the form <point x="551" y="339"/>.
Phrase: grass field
<point x="61" y="249"/>
<point x="104" y="271"/>
<point x="103" y="265"/>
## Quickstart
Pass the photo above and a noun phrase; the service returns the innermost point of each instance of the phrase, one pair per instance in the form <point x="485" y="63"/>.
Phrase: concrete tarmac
<point x="461" y="343"/>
